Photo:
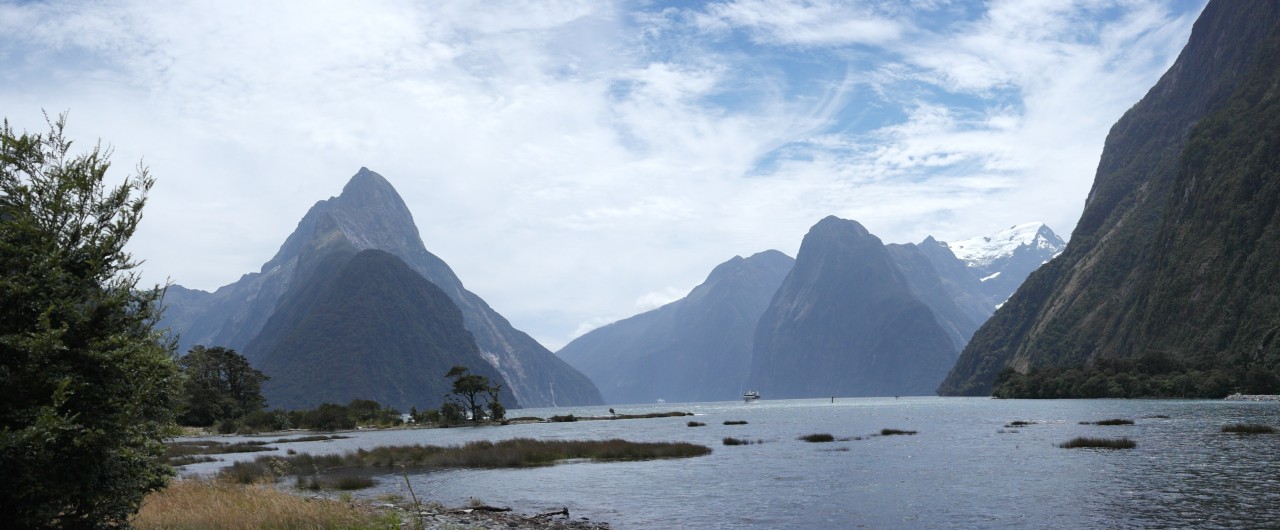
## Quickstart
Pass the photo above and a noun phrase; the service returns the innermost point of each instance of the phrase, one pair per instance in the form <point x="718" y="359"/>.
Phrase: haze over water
<point x="964" y="468"/>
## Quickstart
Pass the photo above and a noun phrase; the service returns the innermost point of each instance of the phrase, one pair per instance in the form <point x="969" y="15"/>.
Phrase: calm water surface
<point x="965" y="468"/>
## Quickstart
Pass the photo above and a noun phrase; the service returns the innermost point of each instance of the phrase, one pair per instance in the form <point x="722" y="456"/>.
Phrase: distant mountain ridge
<point x="1172" y="268"/>
<point x="845" y="322"/>
<point x="697" y="348"/>
<point x="701" y="348"/>
<point x="369" y="214"/>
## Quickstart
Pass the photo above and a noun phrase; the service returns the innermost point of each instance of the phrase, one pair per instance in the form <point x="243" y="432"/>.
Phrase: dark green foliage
<point x="565" y="418"/>
<point x="1178" y="249"/>
<point x="88" y="385"/>
<point x="1248" y="428"/>
<point x="735" y="422"/>
<point x="264" y="420"/>
<point x="1099" y="443"/>
<point x="218" y="385"/>
<point x="1152" y="375"/>
<point x="515" y="453"/>
<point x="895" y="432"/>
<point x="818" y="438"/>
<point x="332" y="417"/>
<point x="471" y="389"/>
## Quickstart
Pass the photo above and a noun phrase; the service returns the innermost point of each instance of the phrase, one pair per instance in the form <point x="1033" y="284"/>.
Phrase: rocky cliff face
<point x="1173" y="254"/>
<point x="697" y="348"/>
<point x="846" y="322"/>
<point x="369" y="214"/>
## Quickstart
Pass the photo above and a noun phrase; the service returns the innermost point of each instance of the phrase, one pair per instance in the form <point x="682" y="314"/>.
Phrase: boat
<point x="753" y="395"/>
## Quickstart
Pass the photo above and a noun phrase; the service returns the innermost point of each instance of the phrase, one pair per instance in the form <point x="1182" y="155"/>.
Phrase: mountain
<point x="369" y="214"/>
<point x="365" y="327"/>
<point x="1169" y="285"/>
<point x="1002" y="261"/>
<point x="845" y="322"/>
<point x="697" y="348"/>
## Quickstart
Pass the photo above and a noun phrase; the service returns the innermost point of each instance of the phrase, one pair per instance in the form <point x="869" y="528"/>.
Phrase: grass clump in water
<point x="738" y="441"/>
<point x="895" y="432"/>
<point x="186" y="452"/>
<point x="735" y="422"/>
<point x="818" y="438"/>
<point x="562" y="419"/>
<point x="1099" y="443"/>
<point x="1248" y="428"/>
<point x="1115" y="421"/>
<point x="519" y="452"/>
<point x="697" y="424"/>
<point x="1018" y="423"/>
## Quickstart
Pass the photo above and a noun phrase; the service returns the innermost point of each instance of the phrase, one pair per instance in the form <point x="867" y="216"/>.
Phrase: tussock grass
<point x="697" y="424"/>
<point x="1115" y="421"/>
<point x="738" y="441"/>
<point x="179" y="461"/>
<point x="1099" y="443"/>
<point x="735" y="422"/>
<point x="895" y="432"/>
<point x="519" y="452"/>
<point x="213" y="505"/>
<point x="818" y="438"/>
<point x="1248" y="428"/>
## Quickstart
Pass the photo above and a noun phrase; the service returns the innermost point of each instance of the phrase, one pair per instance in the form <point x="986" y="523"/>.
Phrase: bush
<point x="561" y="419"/>
<point x="89" y="385"/>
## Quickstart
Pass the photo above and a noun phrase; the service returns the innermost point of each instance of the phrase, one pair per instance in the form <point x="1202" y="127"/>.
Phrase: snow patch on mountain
<point x="982" y="251"/>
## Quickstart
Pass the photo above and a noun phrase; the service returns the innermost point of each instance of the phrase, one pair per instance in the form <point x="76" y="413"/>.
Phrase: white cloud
<point x="569" y="158"/>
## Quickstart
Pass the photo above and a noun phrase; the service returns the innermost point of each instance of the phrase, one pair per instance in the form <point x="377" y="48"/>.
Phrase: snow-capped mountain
<point x="1003" y="260"/>
<point x="984" y="251"/>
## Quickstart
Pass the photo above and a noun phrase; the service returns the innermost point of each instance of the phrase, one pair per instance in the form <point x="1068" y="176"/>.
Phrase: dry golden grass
<point x="204" y="505"/>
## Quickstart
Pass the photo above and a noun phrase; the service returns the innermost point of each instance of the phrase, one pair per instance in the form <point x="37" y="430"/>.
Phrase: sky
<point x="579" y="162"/>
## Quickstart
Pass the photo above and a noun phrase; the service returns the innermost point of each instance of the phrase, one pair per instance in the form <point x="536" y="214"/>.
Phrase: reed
<point x="895" y="432"/>
<point x="519" y="452"/>
<point x="1099" y="443"/>
<point x="1115" y="421"/>
<point x="1248" y="428"/>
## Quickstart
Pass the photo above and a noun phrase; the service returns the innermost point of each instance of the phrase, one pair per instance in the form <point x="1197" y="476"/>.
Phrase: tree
<point x="89" y="383"/>
<point x="470" y="388"/>
<point x="219" y="386"/>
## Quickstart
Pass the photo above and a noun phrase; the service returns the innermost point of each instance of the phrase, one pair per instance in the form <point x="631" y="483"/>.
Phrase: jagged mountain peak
<point x="982" y="251"/>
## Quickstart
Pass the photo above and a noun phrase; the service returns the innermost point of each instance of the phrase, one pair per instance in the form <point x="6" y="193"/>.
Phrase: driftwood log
<point x="563" y="511"/>
<point x="482" y="508"/>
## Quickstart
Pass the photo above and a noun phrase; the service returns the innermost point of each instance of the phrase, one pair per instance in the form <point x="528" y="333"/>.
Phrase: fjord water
<point x="964" y="468"/>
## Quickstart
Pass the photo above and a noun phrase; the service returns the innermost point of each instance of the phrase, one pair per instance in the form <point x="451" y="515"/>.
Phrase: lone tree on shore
<point x="470" y="388"/>
<point x="89" y="384"/>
